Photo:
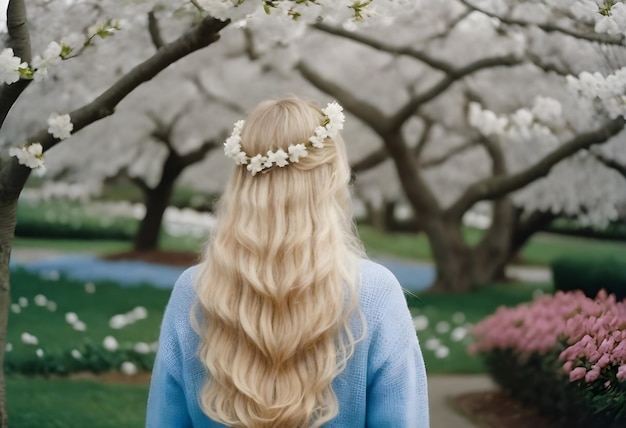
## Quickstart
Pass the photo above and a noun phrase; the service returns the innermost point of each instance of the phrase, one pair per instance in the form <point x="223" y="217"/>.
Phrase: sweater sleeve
<point x="167" y="405"/>
<point x="397" y="393"/>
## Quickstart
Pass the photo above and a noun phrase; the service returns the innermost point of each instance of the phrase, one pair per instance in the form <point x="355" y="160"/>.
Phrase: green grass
<point x="474" y="306"/>
<point x="55" y="335"/>
<point x="72" y="245"/>
<point x="541" y="249"/>
<point x="61" y="403"/>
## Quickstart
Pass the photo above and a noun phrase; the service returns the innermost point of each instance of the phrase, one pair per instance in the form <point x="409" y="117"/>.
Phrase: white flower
<point x="9" y="66"/>
<point x="432" y="343"/>
<point x="279" y="158"/>
<point x="141" y="347"/>
<point x="128" y="368"/>
<point x="240" y="158"/>
<point x="90" y="287"/>
<point x="318" y="139"/>
<point x="336" y="118"/>
<point x="296" y="152"/>
<point x="8" y="347"/>
<point x="22" y="301"/>
<point x="39" y="352"/>
<point x="15" y="308"/>
<point x="154" y="346"/>
<point x="79" y="326"/>
<point x="548" y="110"/>
<point x="71" y="318"/>
<point x="458" y="334"/>
<point x="30" y="156"/>
<point x="60" y="126"/>
<point x="523" y="118"/>
<point x="76" y="354"/>
<point x="110" y="344"/>
<point x="41" y="300"/>
<point x="140" y="313"/>
<point x="256" y="164"/>
<point x="118" y="321"/>
<point x="52" y="306"/>
<point x="442" y="327"/>
<point x="51" y="57"/>
<point x="420" y="322"/>
<point x="442" y="352"/>
<point x="29" y="339"/>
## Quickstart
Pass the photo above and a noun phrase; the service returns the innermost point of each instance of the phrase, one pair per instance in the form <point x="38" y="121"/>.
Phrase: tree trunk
<point x="156" y="200"/>
<point x="8" y="211"/>
<point x="463" y="268"/>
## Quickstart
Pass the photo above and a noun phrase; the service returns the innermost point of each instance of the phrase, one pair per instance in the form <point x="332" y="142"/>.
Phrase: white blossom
<point x="71" y="318"/>
<point x="279" y="158"/>
<point x="90" y="287"/>
<point x="15" y="308"/>
<point x="458" y="334"/>
<point x="110" y="344"/>
<point x="51" y="57"/>
<point x="442" y="352"/>
<point x="29" y="339"/>
<point x="118" y="321"/>
<point x="420" y="323"/>
<point x="60" y="126"/>
<point x="128" y="368"/>
<point x="256" y="164"/>
<point x="141" y="347"/>
<point x="9" y="66"/>
<point x="52" y="306"/>
<point x="79" y="326"/>
<point x="39" y="352"/>
<point x="76" y="354"/>
<point x="30" y="156"/>
<point x="297" y="151"/>
<point x="8" y="347"/>
<point x="40" y="300"/>
<point x="442" y="327"/>
<point x="139" y="313"/>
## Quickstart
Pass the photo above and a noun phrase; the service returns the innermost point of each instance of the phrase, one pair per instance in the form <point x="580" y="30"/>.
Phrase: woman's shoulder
<point x="378" y="284"/>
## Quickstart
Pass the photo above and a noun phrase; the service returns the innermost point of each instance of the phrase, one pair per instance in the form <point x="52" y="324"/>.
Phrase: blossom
<point x="318" y="138"/>
<point x="420" y="322"/>
<point x="23" y="302"/>
<point x="51" y="56"/>
<point x="442" y="327"/>
<point x="8" y="347"/>
<point x="30" y="156"/>
<point x="60" y="126"/>
<point x="139" y="313"/>
<point x="76" y="354"/>
<point x="458" y="334"/>
<point x="29" y="339"/>
<point x="118" y="321"/>
<point x="336" y="118"/>
<point x="110" y="344"/>
<point x="128" y="368"/>
<point x="71" y="318"/>
<point x="79" y="326"/>
<point x="9" y="66"/>
<point x="297" y="151"/>
<point x="442" y="352"/>
<point x="15" y="308"/>
<point x="90" y="288"/>
<point x="52" y="306"/>
<point x="141" y="347"/>
<point x="278" y="158"/>
<point x="41" y="300"/>
<point x="256" y="164"/>
<point x="39" y="352"/>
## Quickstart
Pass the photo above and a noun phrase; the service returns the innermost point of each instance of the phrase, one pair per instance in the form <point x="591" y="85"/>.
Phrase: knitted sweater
<point x="383" y="384"/>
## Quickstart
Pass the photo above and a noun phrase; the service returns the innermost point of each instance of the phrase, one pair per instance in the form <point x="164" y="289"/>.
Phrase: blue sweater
<point x="383" y="384"/>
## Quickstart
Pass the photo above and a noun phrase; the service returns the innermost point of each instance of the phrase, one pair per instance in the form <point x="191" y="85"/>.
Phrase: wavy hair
<point x="278" y="286"/>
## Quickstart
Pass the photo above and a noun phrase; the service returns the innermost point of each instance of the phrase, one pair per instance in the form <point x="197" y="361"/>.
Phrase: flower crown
<point x="330" y="127"/>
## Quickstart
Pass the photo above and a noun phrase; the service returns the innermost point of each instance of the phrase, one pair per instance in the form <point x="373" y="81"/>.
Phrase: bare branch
<point x="202" y="35"/>
<point x="200" y="153"/>
<point x="440" y="160"/>
<point x="370" y="161"/>
<point x="550" y="28"/>
<point x="455" y="75"/>
<point x="449" y="27"/>
<point x="435" y="63"/>
<point x="366" y="112"/>
<point x="209" y="96"/>
<point x="611" y="163"/>
<point x="424" y="137"/>
<point x="498" y="186"/>
<point x="155" y="31"/>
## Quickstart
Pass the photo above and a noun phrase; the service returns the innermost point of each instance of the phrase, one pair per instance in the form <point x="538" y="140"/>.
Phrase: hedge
<point x="590" y="275"/>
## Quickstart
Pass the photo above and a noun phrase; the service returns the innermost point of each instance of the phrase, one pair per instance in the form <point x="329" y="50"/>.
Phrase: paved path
<point x="442" y="387"/>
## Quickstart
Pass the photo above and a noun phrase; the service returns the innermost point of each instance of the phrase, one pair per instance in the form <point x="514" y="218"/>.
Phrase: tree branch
<point x="202" y="35"/>
<point x="155" y="31"/>
<point x="209" y="96"/>
<point x="414" y="103"/>
<point x="611" y="163"/>
<point x="200" y="153"/>
<point x="19" y="41"/>
<point x="550" y="28"/>
<point x="437" y="64"/>
<point x="495" y="187"/>
<point x="366" y="112"/>
<point x="460" y="149"/>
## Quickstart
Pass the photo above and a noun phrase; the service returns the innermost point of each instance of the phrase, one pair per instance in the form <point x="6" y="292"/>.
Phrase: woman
<point x="284" y="324"/>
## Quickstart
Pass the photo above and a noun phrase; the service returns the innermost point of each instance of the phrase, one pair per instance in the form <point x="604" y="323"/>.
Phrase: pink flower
<point x="577" y="374"/>
<point x="591" y="375"/>
<point x="621" y="373"/>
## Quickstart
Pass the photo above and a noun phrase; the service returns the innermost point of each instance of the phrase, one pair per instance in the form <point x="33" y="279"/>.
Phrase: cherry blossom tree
<point x="530" y="159"/>
<point x="19" y="67"/>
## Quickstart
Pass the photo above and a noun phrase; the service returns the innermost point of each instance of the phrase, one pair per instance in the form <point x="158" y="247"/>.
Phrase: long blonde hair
<point x="278" y="287"/>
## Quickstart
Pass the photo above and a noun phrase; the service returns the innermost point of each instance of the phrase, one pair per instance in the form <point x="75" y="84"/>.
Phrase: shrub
<point x="565" y="354"/>
<point x="590" y="275"/>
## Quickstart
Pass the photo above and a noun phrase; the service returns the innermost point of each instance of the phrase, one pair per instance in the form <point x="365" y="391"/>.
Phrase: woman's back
<point x="383" y="384"/>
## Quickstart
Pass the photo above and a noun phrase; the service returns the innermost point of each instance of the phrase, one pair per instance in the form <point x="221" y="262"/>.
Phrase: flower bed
<point x="564" y="353"/>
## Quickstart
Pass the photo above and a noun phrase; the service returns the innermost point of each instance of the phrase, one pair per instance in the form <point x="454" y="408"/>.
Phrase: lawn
<point x="61" y="403"/>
